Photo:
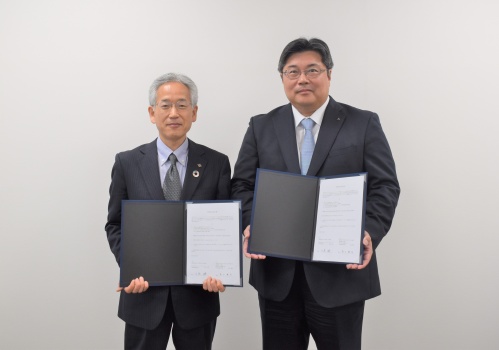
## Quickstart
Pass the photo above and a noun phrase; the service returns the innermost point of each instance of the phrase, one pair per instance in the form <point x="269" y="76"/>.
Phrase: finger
<point x="135" y="286"/>
<point x="365" y="262"/>
<point x="220" y="286"/>
<point x="130" y="287"/>
<point x="211" y="285"/>
<point x="216" y="285"/>
<point x="257" y="256"/>
<point x="141" y="285"/>
<point x="367" y="238"/>
<point x="367" y="241"/>
<point x="138" y="285"/>
<point x="251" y="255"/>
<point x="360" y="267"/>
<point x="207" y="284"/>
<point x="245" y="249"/>
<point x="247" y="232"/>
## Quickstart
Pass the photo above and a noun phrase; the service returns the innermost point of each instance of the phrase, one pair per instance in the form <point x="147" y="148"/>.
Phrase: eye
<point x="182" y="105"/>
<point x="165" y="106"/>
<point x="313" y="70"/>
<point x="293" y="71"/>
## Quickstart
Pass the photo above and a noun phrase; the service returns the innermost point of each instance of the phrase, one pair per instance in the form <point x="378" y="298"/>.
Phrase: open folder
<point x="308" y="218"/>
<point x="181" y="242"/>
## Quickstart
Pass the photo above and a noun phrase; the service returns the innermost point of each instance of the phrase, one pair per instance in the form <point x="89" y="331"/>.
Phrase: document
<point x="212" y="247"/>
<point x="338" y="230"/>
<point x="181" y="242"/>
<point x="309" y="218"/>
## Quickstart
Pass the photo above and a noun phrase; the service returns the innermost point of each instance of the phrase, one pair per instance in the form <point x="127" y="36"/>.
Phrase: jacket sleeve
<point x="224" y="180"/>
<point x="243" y="181"/>
<point x="117" y="192"/>
<point x="382" y="185"/>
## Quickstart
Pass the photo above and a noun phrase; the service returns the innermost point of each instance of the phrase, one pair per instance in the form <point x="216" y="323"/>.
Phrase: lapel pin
<point x="338" y="119"/>
<point x="199" y="165"/>
<point x="195" y="173"/>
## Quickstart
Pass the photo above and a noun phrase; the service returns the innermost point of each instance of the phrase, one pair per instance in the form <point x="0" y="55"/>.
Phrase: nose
<point x="173" y="111"/>
<point x="302" y="79"/>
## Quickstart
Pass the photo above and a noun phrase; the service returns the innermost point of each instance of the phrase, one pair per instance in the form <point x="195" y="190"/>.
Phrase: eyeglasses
<point x="295" y="73"/>
<point x="167" y="106"/>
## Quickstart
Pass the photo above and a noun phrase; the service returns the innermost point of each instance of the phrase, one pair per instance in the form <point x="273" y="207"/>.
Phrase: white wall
<point x="74" y="77"/>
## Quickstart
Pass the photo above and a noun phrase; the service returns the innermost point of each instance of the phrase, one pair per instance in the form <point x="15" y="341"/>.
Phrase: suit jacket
<point x="350" y="141"/>
<point x="136" y="175"/>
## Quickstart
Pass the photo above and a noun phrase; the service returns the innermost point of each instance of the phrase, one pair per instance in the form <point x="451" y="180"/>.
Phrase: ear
<point x="151" y="114"/>
<point x="194" y="114"/>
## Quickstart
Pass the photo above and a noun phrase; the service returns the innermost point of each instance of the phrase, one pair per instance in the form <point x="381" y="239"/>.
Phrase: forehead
<point x="173" y="91"/>
<point x="304" y="59"/>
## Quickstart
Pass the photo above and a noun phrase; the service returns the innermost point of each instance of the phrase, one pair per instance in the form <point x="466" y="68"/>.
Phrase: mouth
<point x="174" y="125"/>
<point x="303" y="91"/>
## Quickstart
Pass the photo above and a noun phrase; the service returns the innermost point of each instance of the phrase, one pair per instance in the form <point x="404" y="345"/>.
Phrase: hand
<point x="137" y="285"/>
<point x="213" y="285"/>
<point x="245" y="246"/>
<point x="368" y="253"/>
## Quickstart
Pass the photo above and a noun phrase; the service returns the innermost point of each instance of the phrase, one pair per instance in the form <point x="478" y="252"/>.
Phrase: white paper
<point x="213" y="247"/>
<point x="338" y="230"/>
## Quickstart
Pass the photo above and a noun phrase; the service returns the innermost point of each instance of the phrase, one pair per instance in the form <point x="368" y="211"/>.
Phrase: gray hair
<point x="173" y="77"/>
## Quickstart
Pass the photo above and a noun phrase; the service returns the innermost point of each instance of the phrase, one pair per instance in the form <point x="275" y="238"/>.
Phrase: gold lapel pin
<point x="195" y="173"/>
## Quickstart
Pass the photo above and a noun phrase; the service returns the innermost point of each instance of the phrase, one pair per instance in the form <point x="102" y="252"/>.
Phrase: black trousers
<point x="199" y="338"/>
<point x="288" y="324"/>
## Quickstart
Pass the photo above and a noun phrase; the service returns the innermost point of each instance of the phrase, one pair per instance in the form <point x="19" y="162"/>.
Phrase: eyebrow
<point x="167" y="100"/>
<point x="310" y="65"/>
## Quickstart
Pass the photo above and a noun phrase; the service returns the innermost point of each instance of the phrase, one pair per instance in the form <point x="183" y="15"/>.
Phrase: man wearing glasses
<point x="317" y="136"/>
<point x="172" y="167"/>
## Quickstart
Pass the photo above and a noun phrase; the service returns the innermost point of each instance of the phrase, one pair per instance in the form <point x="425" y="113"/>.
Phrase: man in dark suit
<point x="145" y="173"/>
<point x="302" y="298"/>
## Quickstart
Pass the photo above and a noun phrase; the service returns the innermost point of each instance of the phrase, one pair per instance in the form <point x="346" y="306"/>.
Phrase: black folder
<point x="154" y="242"/>
<point x="284" y="215"/>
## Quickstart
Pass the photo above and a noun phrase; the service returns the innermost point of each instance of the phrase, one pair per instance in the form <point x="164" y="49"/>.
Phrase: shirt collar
<point x="317" y="116"/>
<point x="164" y="152"/>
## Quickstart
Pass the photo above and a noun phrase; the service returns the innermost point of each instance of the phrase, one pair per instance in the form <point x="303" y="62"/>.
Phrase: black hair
<point x="301" y="45"/>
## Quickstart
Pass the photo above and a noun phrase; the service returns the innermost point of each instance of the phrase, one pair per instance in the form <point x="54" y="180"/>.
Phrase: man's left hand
<point x="368" y="253"/>
<point x="213" y="285"/>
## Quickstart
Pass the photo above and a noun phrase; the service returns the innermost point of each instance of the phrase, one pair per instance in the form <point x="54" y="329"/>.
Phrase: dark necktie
<point x="172" y="187"/>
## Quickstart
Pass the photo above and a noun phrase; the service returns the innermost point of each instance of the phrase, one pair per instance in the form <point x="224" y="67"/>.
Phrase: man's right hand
<point x="137" y="285"/>
<point x="245" y="246"/>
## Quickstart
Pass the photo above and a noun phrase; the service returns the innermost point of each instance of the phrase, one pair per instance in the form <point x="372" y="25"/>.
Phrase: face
<point x="173" y="113"/>
<point x="305" y="93"/>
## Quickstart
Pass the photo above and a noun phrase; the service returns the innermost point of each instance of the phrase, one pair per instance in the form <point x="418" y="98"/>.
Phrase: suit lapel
<point x="331" y="125"/>
<point x="196" y="165"/>
<point x="149" y="169"/>
<point x="286" y="136"/>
